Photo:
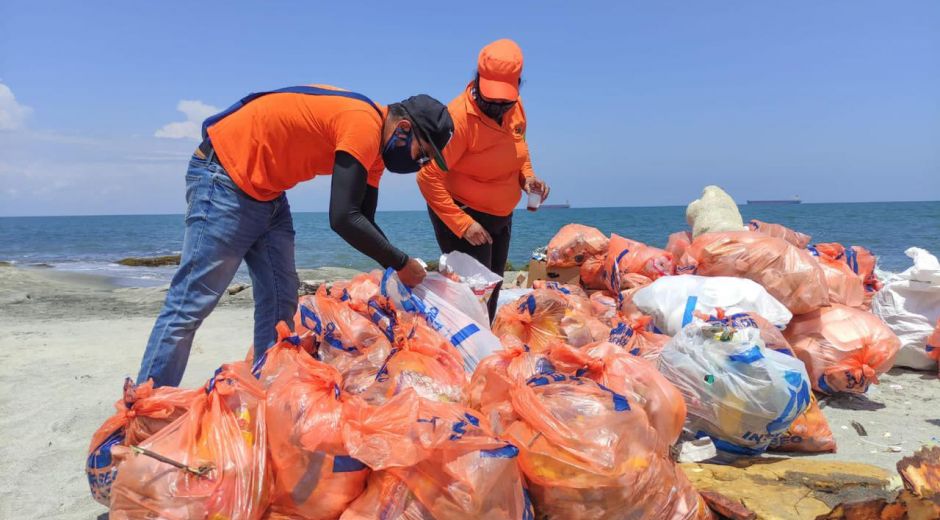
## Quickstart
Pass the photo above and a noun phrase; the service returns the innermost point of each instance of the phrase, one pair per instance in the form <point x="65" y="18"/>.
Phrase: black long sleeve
<point x="349" y="217"/>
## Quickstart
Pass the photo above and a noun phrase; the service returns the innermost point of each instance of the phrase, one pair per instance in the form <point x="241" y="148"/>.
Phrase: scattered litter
<point x="697" y="450"/>
<point x="859" y="429"/>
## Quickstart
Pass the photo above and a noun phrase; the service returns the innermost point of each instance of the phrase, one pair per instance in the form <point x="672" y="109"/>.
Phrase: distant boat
<point x="794" y="200"/>
<point x="564" y="205"/>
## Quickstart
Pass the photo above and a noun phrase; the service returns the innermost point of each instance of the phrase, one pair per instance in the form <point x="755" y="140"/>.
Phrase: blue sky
<point x="629" y="103"/>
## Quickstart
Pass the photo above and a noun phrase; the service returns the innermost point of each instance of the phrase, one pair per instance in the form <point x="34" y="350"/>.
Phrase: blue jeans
<point x="223" y="226"/>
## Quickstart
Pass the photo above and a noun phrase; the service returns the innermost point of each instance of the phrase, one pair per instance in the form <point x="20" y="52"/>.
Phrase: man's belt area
<point x="205" y="151"/>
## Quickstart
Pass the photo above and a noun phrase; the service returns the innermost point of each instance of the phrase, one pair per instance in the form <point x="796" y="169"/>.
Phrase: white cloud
<point x="12" y="113"/>
<point x="195" y="112"/>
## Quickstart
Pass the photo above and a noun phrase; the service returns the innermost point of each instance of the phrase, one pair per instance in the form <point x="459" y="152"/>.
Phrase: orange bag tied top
<point x="142" y="412"/>
<point x="636" y="338"/>
<point x="433" y="461"/>
<point x="796" y="238"/>
<point x="625" y="257"/>
<point x="534" y="319"/>
<point x="789" y="274"/>
<point x="224" y="433"/>
<point x="574" y="244"/>
<point x="349" y="341"/>
<point x="587" y="450"/>
<point x="844" y="349"/>
<point x="314" y="476"/>
<point x="423" y="361"/>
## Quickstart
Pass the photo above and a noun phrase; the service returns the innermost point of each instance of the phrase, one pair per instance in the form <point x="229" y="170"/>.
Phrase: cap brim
<point x="435" y="152"/>
<point x="495" y="89"/>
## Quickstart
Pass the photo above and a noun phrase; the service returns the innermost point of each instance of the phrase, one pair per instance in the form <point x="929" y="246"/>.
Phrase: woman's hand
<point x="476" y="235"/>
<point x="536" y="185"/>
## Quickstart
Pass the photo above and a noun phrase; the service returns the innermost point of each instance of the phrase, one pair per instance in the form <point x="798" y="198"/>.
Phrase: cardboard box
<point x="540" y="271"/>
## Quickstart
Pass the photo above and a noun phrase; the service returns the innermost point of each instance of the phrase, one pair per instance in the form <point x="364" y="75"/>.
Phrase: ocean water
<point x="92" y="244"/>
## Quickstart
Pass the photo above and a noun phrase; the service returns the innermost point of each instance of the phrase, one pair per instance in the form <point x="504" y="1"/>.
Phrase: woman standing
<point x="488" y="161"/>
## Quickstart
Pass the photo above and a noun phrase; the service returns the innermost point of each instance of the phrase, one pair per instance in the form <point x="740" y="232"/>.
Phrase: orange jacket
<point x="488" y="165"/>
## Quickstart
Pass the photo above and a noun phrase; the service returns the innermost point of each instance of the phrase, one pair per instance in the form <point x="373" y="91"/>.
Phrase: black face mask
<point x="493" y="110"/>
<point x="398" y="159"/>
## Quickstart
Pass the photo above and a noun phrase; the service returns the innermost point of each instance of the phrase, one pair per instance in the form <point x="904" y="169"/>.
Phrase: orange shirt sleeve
<point x="431" y="183"/>
<point x="527" y="170"/>
<point x="358" y="133"/>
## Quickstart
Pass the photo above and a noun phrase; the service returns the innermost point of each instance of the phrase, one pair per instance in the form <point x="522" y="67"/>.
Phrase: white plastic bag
<point x="737" y="392"/>
<point x="481" y="280"/>
<point x="909" y="303"/>
<point x="460" y="295"/>
<point x="472" y="338"/>
<point x="672" y="301"/>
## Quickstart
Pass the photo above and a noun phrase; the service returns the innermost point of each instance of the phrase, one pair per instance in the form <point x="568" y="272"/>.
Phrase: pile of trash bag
<point x="384" y="401"/>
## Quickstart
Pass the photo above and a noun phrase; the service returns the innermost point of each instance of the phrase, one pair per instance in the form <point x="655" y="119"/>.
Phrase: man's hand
<point x="536" y="185"/>
<point x="412" y="274"/>
<point x="476" y="235"/>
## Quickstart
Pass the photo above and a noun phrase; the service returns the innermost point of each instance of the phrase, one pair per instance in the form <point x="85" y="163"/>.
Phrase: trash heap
<point x="385" y="402"/>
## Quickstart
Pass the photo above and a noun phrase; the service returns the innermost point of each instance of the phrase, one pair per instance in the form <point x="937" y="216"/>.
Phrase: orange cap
<point x="500" y="67"/>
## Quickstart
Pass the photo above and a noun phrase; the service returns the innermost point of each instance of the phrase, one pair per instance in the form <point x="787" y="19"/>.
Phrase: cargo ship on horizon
<point x="794" y="200"/>
<point x="561" y="205"/>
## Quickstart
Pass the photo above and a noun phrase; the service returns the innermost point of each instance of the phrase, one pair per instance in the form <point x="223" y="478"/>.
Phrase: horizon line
<point x="522" y="208"/>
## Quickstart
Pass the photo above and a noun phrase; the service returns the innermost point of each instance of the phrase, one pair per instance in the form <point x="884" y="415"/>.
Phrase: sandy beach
<point x="67" y="341"/>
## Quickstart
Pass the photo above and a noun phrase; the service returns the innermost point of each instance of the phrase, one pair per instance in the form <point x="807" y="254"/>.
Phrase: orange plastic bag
<point x="433" y="461"/>
<point x="358" y="290"/>
<point x="625" y="256"/>
<point x="573" y="244"/>
<point x="496" y="376"/>
<point x="605" y="306"/>
<point x="933" y="345"/>
<point x="223" y="433"/>
<point x="809" y="433"/>
<point x="535" y="319"/>
<point x="423" y="361"/>
<point x="844" y="349"/>
<point x="863" y="263"/>
<point x="789" y="274"/>
<point x="637" y="338"/>
<point x="349" y="341"/>
<point x="796" y="238"/>
<point x="314" y="476"/>
<point x="563" y="288"/>
<point x="678" y="243"/>
<point x="845" y="286"/>
<point x="639" y="381"/>
<point x="590" y="452"/>
<point x="631" y="283"/>
<point x="142" y="412"/>
<point x="592" y="272"/>
<point x="307" y="325"/>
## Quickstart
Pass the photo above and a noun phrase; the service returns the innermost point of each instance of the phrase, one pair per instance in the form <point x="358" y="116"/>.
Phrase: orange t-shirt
<point x="279" y="140"/>
<point x="487" y="165"/>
